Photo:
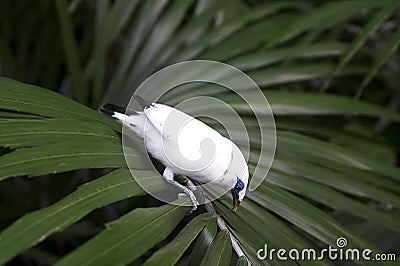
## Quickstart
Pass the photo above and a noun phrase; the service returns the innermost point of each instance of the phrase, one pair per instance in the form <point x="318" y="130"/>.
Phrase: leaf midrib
<point x="59" y="210"/>
<point x="58" y="132"/>
<point x="66" y="207"/>
<point x="124" y="239"/>
<point x="47" y="107"/>
<point x="219" y="258"/>
<point x="60" y="156"/>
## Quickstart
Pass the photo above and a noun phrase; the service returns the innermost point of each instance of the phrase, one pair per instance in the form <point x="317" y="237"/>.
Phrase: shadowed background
<point x="330" y="71"/>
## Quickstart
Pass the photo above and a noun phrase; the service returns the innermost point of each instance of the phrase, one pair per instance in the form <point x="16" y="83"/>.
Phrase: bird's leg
<point x="200" y="191"/>
<point x="169" y="177"/>
<point x="190" y="184"/>
<point x="201" y="194"/>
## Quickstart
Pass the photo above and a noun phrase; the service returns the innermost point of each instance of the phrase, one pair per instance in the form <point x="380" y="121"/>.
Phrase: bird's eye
<point x="239" y="185"/>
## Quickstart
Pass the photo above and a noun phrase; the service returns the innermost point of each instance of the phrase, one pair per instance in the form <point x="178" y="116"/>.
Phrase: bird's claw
<point x="192" y="197"/>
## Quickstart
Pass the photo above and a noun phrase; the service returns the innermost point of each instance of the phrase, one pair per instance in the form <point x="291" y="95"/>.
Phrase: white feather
<point x="179" y="142"/>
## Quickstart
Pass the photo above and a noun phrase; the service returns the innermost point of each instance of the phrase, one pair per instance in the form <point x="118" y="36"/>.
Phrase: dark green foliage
<point x="330" y="71"/>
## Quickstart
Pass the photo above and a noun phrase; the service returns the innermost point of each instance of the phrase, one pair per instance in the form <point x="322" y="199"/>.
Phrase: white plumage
<point x="188" y="147"/>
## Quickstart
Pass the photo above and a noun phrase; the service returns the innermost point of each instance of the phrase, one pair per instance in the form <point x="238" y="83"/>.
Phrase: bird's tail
<point x="110" y="109"/>
<point x="129" y="117"/>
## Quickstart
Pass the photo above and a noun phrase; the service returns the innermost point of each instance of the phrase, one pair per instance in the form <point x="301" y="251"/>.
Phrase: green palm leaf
<point x="334" y="175"/>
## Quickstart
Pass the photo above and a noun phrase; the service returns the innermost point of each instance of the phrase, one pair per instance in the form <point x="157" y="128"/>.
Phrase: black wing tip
<point x="142" y="102"/>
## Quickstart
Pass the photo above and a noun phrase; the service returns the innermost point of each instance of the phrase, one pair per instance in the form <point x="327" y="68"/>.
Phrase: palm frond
<point x="333" y="175"/>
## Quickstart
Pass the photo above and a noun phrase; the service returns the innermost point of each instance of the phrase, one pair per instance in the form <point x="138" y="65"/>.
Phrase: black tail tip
<point x="111" y="109"/>
<point x="107" y="111"/>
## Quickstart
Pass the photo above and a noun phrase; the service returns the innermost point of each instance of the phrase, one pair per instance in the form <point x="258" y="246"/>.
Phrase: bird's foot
<point x="192" y="197"/>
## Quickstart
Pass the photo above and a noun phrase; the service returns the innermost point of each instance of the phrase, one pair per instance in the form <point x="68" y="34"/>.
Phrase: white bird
<point x="186" y="146"/>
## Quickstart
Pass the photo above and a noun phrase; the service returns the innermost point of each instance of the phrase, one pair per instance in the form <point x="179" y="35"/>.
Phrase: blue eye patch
<point x="239" y="185"/>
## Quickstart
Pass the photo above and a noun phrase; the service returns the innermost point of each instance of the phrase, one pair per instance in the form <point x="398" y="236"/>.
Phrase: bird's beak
<point x="236" y="205"/>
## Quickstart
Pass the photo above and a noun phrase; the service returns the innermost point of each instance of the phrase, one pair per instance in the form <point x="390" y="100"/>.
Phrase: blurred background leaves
<point x="330" y="71"/>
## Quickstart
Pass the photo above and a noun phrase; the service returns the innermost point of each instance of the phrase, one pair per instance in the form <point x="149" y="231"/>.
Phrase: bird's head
<point x="239" y="190"/>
